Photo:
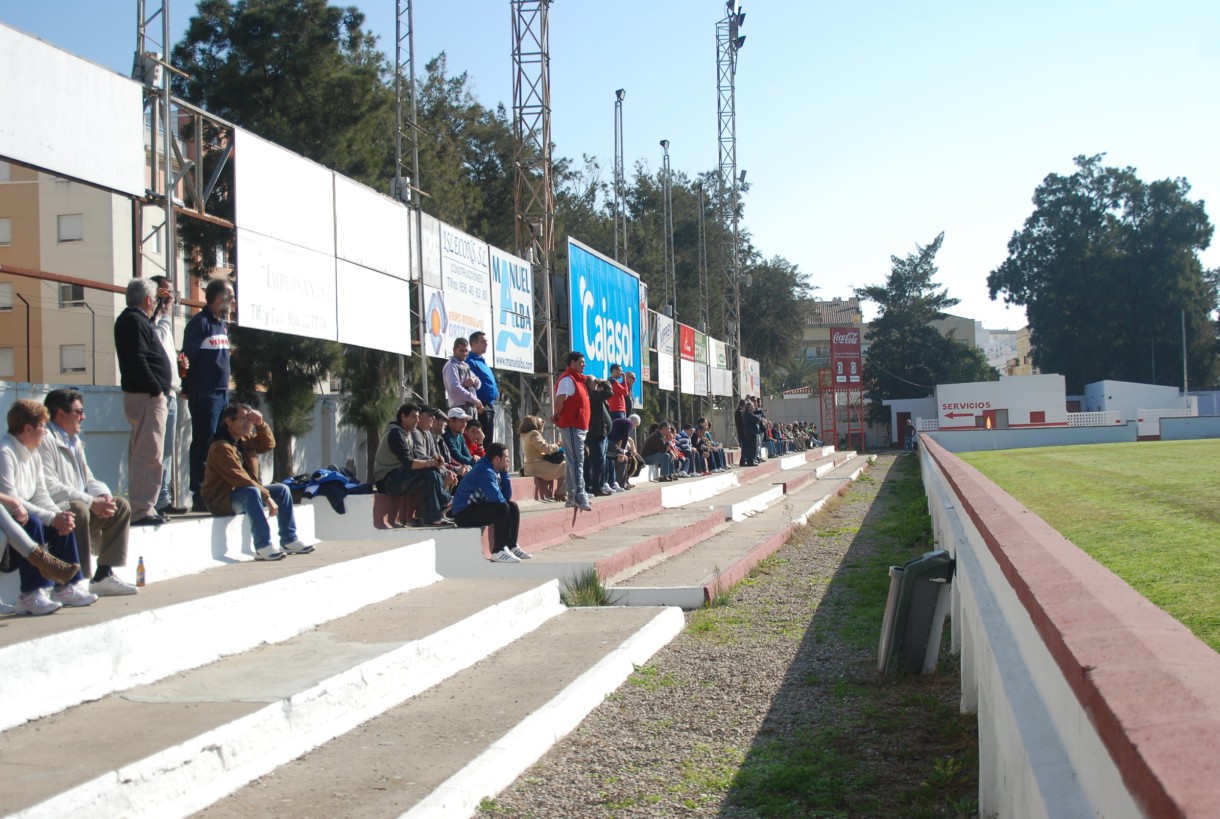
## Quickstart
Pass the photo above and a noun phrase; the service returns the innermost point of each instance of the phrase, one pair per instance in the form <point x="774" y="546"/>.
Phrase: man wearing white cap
<point x="457" y="453"/>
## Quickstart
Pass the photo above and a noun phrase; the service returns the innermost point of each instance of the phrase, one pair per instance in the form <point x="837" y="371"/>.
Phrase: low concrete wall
<point x="973" y="440"/>
<point x="1090" y="700"/>
<point x="1189" y="429"/>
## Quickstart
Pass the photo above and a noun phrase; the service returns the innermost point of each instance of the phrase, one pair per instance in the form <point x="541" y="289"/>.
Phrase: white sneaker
<point x="606" y="489"/>
<point x="268" y="553"/>
<point x="36" y="603"/>
<point x="297" y="548"/>
<point x="583" y="505"/>
<point x="111" y="586"/>
<point x="520" y="553"/>
<point x="505" y="556"/>
<point x="614" y="487"/>
<point x="74" y="595"/>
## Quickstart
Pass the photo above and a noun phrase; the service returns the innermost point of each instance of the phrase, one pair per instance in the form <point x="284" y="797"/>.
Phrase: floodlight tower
<point x="534" y="192"/>
<point x="729" y="41"/>
<point x="152" y="67"/>
<point x="405" y="184"/>
<point x="620" y="193"/>
<point x="671" y="277"/>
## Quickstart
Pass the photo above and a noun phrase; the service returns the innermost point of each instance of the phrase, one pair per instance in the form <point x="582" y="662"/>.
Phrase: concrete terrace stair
<point x="177" y="745"/>
<point x="481" y="728"/>
<point x="222" y="670"/>
<point x="695" y="577"/>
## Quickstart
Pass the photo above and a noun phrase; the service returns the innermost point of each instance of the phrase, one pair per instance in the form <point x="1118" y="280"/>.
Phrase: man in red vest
<point x="572" y="418"/>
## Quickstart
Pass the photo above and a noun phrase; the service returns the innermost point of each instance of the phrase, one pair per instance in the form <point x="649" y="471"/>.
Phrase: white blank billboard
<point x="68" y="116"/>
<point x="374" y="309"/>
<point x="283" y="195"/>
<point x="371" y="230"/>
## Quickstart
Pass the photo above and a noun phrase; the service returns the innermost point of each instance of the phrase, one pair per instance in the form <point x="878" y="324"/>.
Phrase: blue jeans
<point x="165" y="498"/>
<point x="205" y="416"/>
<point x="663" y="461"/>
<point x="596" y="467"/>
<point x="574" y="449"/>
<point x="250" y="501"/>
<point x="62" y="546"/>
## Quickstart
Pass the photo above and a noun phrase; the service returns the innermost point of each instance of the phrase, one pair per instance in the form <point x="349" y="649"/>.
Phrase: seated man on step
<point x="484" y="497"/>
<point x="231" y="484"/>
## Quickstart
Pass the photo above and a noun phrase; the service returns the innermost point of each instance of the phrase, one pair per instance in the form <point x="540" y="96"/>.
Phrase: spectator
<point x="484" y="498"/>
<point x="474" y="438"/>
<point x="231" y="483"/>
<point x="163" y="323"/>
<point x="572" y="418"/>
<point x="624" y="456"/>
<point x="488" y="391"/>
<point x="694" y="456"/>
<point x="145" y="376"/>
<point x="622" y="394"/>
<point x="24" y="492"/>
<point x="750" y="426"/>
<point x="533" y="448"/>
<point x="460" y="459"/>
<point x="597" y="440"/>
<point x="715" y="452"/>
<point x="461" y="384"/>
<point x="205" y="343"/>
<point x="656" y="451"/>
<point x="100" y="520"/>
<point x="629" y="382"/>
<point x="432" y="423"/>
<point x="910" y="435"/>
<point x="401" y="467"/>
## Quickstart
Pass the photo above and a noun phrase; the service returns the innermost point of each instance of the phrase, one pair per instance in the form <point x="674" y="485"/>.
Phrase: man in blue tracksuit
<point x="488" y="392"/>
<point x="484" y="497"/>
<point x="205" y="342"/>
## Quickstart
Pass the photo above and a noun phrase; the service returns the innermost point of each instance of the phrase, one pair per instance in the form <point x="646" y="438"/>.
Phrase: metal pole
<point x="1184" y="383"/>
<point x="620" y="196"/>
<point x="28" y="370"/>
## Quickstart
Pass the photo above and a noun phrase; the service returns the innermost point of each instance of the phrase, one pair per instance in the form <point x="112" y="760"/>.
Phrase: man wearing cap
<point x="488" y="391"/>
<point x="461" y="384"/>
<point x="454" y="438"/>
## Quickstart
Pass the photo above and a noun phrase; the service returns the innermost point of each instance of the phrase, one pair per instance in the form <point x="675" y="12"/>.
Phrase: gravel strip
<point x="671" y="739"/>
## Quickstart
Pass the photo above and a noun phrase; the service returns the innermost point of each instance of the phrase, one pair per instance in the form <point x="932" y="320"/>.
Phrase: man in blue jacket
<point x="488" y="391"/>
<point x="484" y="497"/>
<point x="205" y="342"/>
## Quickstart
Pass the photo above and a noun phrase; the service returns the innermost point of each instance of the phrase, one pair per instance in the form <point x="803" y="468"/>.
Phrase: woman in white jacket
<point x="24" y="492"/>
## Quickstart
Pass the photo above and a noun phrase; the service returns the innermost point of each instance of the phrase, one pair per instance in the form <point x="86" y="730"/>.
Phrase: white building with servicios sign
<point x="1024" y="402"/>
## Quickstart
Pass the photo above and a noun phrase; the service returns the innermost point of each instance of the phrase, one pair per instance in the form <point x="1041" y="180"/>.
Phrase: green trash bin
<point x="915" y="613"/>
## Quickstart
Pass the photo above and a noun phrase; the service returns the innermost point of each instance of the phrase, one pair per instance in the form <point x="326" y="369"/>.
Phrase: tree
<point x="1107" y="267"/>
<point x="305" y="75"/>
<point x="370" y="388"/>
<point x="772" y="311"/>
<point x="907" y="355"/>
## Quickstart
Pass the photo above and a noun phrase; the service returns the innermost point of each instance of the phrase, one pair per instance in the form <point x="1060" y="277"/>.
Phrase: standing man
<point x="164" y="325"/>
<point x="572" y="418"/>
<point x="101" y="519"/>
<point x="622" y="394"/>
<point x="488" y="391"/>
<point x="231" y="484"/>
<point x="461" y="384"/>
<point x="205" y="343"/>
<point x="145" y="377"/>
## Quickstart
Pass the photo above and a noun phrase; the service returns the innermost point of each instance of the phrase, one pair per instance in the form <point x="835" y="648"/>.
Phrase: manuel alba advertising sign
<point x="604" y="305"/>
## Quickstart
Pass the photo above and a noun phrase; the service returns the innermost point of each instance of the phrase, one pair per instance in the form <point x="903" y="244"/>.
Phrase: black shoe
<point x="197" y="505"/>
<point x="150" y="520"/>
<point x="166" y="511"/>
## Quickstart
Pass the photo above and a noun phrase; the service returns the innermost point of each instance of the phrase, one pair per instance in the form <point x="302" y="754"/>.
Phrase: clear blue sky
<point x="865" y="128"/>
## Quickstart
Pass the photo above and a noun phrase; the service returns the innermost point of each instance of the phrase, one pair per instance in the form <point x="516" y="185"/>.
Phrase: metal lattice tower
<point x="728" y="43"/>
<point x="620" y="193"/>
<point x="534" y="196"/>
<point x="405" y="188"/>
<point x="151" y="66"/>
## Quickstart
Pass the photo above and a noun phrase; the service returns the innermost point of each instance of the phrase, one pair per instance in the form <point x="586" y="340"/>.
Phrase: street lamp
<point x="620" y="196"/>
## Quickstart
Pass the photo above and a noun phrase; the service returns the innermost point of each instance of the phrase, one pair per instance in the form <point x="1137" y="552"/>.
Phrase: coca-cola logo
<point x="846" y="338"/>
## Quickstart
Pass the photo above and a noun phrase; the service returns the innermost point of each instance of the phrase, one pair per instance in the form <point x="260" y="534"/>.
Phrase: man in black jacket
<point x="145" y="377"/>
<point x="596" y="477"/>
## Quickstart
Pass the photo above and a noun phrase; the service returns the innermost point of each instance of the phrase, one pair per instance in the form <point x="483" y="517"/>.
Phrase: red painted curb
<point x="1150" y="688"/>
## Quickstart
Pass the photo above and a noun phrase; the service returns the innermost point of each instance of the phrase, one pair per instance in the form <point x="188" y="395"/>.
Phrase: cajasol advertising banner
<point x="512" y="302"/>
<point x="604" y="310"/>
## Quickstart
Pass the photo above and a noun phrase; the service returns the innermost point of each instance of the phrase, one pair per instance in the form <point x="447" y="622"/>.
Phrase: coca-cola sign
<point x="848" y="337"/>
<point x="845" y="361"/>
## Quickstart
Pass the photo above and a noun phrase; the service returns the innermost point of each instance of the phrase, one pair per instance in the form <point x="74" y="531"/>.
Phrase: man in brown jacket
<point x="231" y="484"/>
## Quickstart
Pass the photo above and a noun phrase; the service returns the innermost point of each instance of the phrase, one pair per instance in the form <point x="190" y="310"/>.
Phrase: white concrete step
<point x="81" y="654"/>
<point x="440" y="753"/>
<point x="172" y="747"/>
<point x="690" y="579"/>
